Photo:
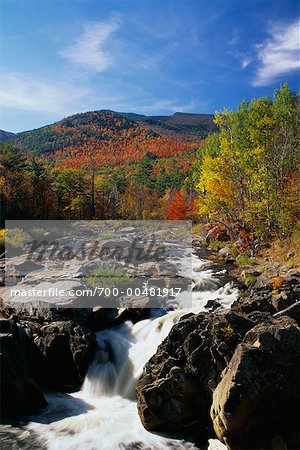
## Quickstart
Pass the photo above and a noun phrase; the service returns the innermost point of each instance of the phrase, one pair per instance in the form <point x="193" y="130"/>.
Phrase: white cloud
<point x="279" y="54"/>
<point x="170" y="106"/>
<point x="245" y="61"/>
<point x="87" y="50"/>
<point x="30" y="94"/>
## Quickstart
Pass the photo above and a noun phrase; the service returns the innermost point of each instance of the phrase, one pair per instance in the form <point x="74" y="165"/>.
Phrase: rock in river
<point x="257" y="403"/>
<point x="19" y="391"/>
<point x="175" y="390"/>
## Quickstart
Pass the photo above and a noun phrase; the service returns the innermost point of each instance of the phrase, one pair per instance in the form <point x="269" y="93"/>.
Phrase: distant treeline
<point x="245" y="177"/>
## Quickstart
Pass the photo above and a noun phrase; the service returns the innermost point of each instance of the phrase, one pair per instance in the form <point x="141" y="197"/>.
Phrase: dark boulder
<point x="58" y="350"/>
<point x="19" y="391"/>
<point x="257" y="402"/>
<point x="175" y="390"/>
<point x="67" y="349"/>
<point x="255" y="301"/>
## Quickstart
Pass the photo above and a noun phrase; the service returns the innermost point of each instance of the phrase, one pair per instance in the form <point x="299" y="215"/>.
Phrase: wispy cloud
<point x="88" y="50"/>
<point x="30" y="94"/>
<point x="245" y="61"/>
<point x="279" y="54"/>
<point x="151" y="62"/>
<point x="243" y="58"/>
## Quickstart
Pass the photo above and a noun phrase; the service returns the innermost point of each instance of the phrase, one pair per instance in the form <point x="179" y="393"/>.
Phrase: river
<point x="103" y="414"/>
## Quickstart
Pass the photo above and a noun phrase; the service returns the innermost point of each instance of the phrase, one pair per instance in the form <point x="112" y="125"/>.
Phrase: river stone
<point x="27" y="267"/>
<point x="225" y="251"/>
<point x="257" y="401"/>
<point x="14" y="438"/>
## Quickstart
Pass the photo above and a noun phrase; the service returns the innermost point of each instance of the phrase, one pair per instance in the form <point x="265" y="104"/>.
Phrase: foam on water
<point x="103" y="415"/>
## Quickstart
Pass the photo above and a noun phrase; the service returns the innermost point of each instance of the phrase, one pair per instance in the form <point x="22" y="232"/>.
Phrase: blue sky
<point x="60" y="57"/>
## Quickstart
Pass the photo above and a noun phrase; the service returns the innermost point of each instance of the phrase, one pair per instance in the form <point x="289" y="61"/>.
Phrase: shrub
<point x="227" y="330"/>
<point x="249" y="280"/>
<point x="276" y="283"/>
<point x="106" y="272"/>
<point x="16" y="237"/>
<point x="2" y="237"/>
<point x="243" y="260"/>
<point x="217" y="245"/>
<point x="108" y="234"/>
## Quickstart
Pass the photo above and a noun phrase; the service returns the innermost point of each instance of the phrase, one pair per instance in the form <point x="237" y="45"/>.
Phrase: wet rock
<point x="59" y="344"/>
<point x="67" y="349"/>
<point x="255" y="302"/>
<point x="132" y="314"/>
<point x="19" y="391"/>
<point x="13" y="438"/>
<point x="213" y="305"/>
<point x="257" y="401"/>
<point x="175" y="390"/>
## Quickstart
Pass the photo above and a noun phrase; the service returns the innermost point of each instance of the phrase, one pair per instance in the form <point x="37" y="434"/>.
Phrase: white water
<point x="103" y="415"/>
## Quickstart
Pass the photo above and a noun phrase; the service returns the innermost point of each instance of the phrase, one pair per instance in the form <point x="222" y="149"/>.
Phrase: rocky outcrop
<point x="175" y="390"/>
<point x="60" y="346"/>
<point x="94" y="319"/>
<point x="242" y="365"/>
<point x="292" y="311"/>
<point x="19" y="391"/>
<point x="269" y="295"/>
<point x="65" y="350"/>
<point x="257" y="402"/>
<point x="49" y="348"/>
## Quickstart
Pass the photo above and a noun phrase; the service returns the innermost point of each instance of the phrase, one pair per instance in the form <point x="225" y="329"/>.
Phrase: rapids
<point x="103" y="415"/>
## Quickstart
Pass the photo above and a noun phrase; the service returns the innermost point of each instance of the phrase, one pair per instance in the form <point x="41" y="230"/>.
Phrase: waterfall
<point x="103" y="415"/>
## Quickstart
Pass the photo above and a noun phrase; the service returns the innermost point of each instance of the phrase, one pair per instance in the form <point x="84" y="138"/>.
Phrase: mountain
<point x="184" y="127"/>
<point x="5" y="135"/>
<point x="77" y="131"/>
<point x="110" y="138"/>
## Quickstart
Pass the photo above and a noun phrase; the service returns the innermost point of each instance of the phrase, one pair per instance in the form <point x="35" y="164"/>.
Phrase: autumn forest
<point x="243" y="173"/>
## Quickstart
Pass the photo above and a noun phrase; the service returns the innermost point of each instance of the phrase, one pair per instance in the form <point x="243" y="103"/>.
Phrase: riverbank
<point x="235" y="372"/>
<point x="216" y="371"/>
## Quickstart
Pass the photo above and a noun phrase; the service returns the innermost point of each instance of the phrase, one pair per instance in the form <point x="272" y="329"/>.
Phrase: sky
<point x="61" y="57"/>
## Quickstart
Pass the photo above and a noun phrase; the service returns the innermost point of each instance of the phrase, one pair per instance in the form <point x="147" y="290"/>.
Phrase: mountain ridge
<point x="115" y="138"/>
<point x="185" y="127"/>
<point x="6" y="135"/>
